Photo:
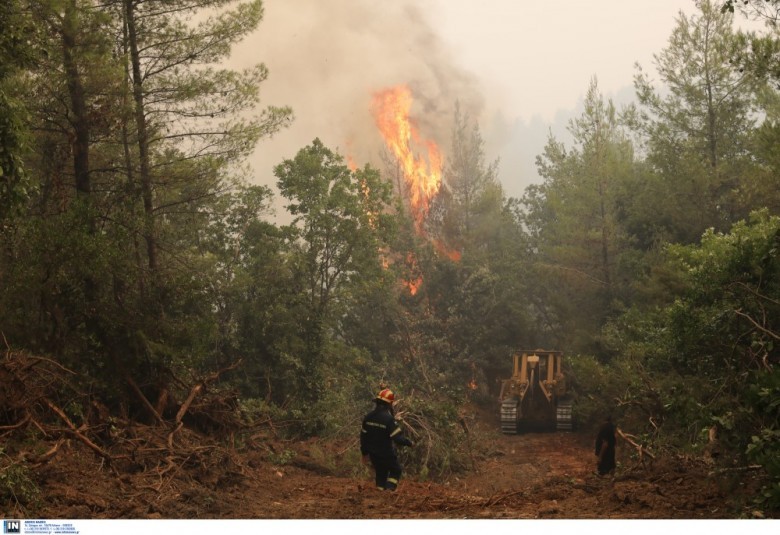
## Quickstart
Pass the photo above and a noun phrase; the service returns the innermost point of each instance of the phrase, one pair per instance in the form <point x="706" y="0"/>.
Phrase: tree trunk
<point x="80" y="141"/>
<point x="130" y="169"/>
<point x="143" y="138"/>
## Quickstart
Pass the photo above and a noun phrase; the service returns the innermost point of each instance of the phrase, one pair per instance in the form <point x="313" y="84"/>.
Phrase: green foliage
<point x="281" y="458"/>
<point x="764" y="449"/>
<point x="442" y="444"/>
<point x="710" y="358"/>
<point x="595" y="387"/>
<point x="764" y="446"/>
<point x="699" y="133"/>
<point x="17" y="52"/>
<point x="341" y="224"/>
<point x="732" y="287"/>
<point x="464" y="216"/>
<point x="13" y="181"/>
<point x="583" y="254"/>
<point x="16" y="483"/>
<point x="76" y="269"/>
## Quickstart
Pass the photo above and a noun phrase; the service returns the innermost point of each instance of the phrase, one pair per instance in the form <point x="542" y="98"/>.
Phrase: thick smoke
<point x="327" y="58"/>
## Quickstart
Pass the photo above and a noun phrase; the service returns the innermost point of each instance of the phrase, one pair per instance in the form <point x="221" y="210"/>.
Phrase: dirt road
<point x="526" y="476"/>
<point x="529" y="476"/>
<point x="118" y="468"/>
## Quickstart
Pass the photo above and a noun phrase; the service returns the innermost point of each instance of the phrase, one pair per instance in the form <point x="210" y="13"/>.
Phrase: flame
<point x="423" y="178"/>
<point x="413" y="286"/>
<point x="365" y="190"/>
<point x="422" y="174"/>
<point x="415" y="280"/>
<point x="473" y="383"/>
<point x="351" y="163"/>
<point x="442" y="249"/>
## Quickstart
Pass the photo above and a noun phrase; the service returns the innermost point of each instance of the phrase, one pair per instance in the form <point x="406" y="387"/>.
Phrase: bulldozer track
<point x="509" y="416"/>
<point x="563" y="416"/>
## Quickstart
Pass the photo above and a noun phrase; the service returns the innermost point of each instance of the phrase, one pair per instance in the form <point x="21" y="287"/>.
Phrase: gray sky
<point x="518" y="67"/>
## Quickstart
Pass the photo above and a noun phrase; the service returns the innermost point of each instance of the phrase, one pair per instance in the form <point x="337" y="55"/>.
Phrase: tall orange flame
<point x="423" y="178"/>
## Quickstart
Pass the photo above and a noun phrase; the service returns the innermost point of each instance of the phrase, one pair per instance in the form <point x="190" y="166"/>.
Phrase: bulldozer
<point x="535" y="397"/>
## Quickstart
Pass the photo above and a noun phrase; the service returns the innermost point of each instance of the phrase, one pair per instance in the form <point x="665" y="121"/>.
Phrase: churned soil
<point x="545" y="475"/>
<point x="59" y="461"/>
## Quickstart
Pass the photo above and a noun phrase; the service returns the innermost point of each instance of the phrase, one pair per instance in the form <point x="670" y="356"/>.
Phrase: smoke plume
<point x="327" y="59"/>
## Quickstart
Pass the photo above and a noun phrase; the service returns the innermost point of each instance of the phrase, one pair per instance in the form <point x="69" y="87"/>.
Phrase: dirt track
<point x="110" y="467"/>
<point x="529" y="476"/>
<point x="526" y="476"/>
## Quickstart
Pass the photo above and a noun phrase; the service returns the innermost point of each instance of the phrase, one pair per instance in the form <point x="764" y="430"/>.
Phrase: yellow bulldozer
<point x="535" y="398"/>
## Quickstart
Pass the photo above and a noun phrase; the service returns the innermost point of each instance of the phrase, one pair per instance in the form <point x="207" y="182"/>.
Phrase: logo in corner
<point x="12" y="526"/>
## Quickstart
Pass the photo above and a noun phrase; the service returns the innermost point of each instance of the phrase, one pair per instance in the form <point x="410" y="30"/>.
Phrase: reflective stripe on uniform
<point x="392" y="480"/>
<point x="394" y="433"/>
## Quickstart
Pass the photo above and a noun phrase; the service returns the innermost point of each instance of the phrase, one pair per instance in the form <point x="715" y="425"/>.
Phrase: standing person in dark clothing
<point x="379" y="432"/>
<point x="605" y="447"/>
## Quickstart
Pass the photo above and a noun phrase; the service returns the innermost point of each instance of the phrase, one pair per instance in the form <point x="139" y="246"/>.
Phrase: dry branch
<point x="44" y="457"/>
<point x="187" y="402"/>
<point x="758" y="325"/>
<point x="194" y="391"/>
<point x="17" y="425"/>
<point x="144" y="401"/>
<point x="162" y="400"/>
<point x="36" y="360"/>
<point x="200" y="386"/>
<point x="640" y="448"/>
<point x="170" y="435"/>
<point x="64" y="417"/>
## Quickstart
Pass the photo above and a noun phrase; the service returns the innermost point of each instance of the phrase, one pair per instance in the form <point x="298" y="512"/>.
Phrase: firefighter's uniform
<point x="379" y="433"/>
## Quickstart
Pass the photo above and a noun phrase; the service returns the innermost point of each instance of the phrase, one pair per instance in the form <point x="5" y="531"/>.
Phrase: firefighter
<point x="605" y="447"/>
<point x="379" y="433"/>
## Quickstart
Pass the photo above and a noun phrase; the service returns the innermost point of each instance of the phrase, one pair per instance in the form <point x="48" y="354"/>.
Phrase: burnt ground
<point x="525" y="476"/>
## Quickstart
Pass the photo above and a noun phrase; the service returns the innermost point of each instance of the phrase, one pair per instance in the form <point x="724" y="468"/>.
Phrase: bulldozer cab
<point x="534" y="397"/>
